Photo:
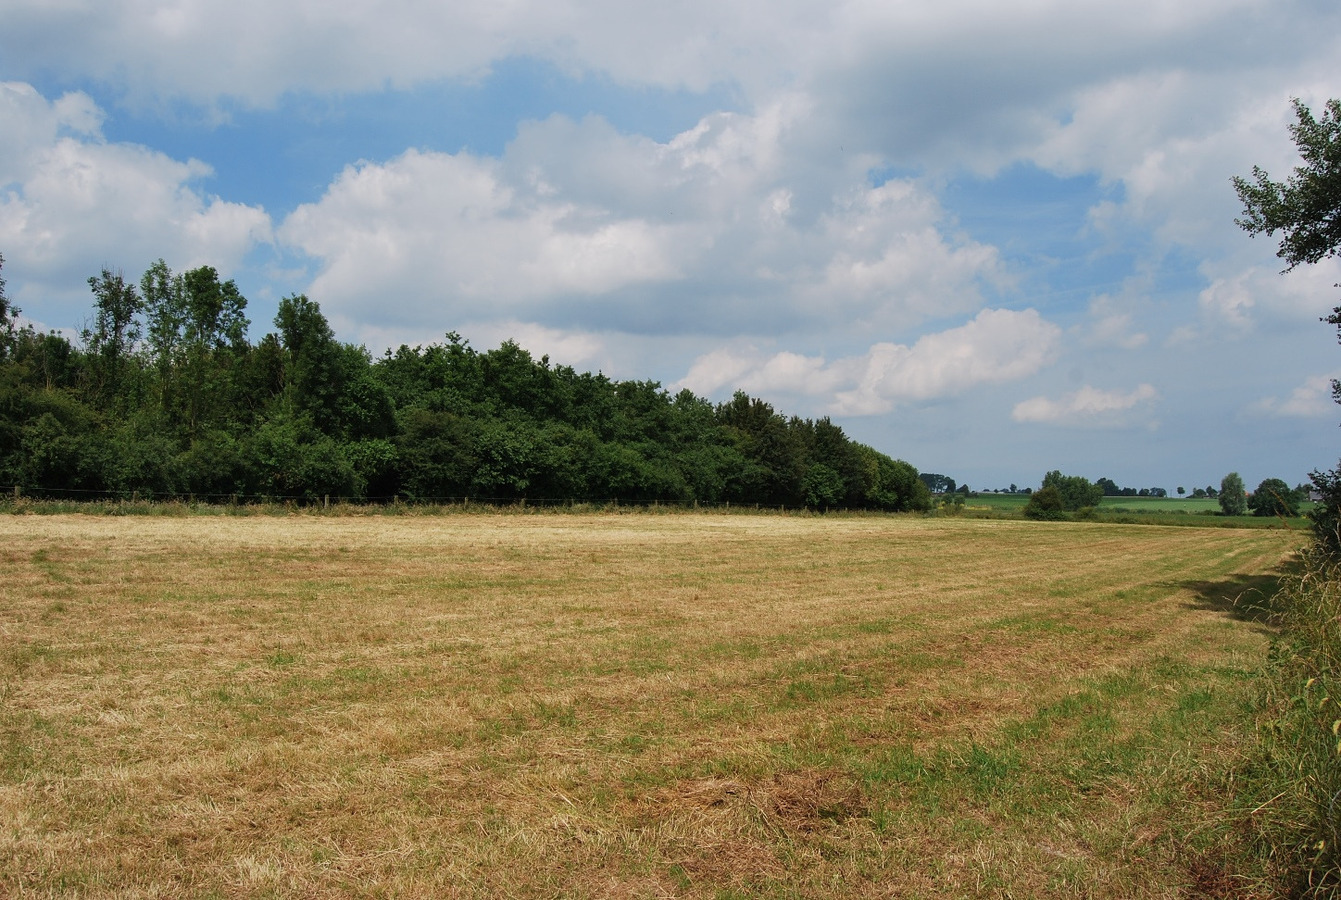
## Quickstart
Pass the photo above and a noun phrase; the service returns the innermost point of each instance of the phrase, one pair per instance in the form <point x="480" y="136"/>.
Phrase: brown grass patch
<point x="612" y="705"/>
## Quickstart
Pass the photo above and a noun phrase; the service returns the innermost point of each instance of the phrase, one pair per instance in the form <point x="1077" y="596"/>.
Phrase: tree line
<point x="164" y="394"/>
<point x="1061" y="494"/>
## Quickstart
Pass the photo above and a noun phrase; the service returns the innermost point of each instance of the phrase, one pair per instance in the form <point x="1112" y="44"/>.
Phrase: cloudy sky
<point x="990" y="238"/>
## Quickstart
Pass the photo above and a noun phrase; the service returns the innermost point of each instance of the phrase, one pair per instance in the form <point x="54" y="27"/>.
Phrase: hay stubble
<point x="608" y="705"/>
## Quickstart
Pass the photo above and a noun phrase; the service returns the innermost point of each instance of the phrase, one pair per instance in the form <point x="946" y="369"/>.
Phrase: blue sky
<point x="992" y="239"/>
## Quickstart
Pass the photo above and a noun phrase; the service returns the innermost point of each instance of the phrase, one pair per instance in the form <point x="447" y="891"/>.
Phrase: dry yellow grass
<point x="616" y="705"/>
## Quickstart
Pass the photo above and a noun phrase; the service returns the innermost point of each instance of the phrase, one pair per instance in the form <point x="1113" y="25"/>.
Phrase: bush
<point x="1075" y="491"/>
<point x="1326" y="516"/>
<point x="1274" y="497"/>
<point x="1045" y="504"/>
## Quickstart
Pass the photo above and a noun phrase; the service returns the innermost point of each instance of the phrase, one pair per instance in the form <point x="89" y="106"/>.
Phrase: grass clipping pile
<point x="613" y="705"/>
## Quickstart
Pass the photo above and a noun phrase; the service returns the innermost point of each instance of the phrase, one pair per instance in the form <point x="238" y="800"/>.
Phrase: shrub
<point x="1295" y="780"/>
<point x="1045" y="504"/>
<point x="1326" y="516"/>
<point x="1074" y="490"/>
<point x="1274" y="497"/>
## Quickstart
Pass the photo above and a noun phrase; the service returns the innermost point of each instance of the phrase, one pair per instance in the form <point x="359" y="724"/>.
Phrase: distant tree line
<point x="1109" y="488"/>
<point x="1061" y="494"/>
<point x="164" y="394"/>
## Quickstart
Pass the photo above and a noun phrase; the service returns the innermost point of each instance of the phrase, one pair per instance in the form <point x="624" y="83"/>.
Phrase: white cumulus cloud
<point x="579" y="223"/>
<point x="72" y="201"/>
<point x="1089" y="405"/>
<point x="998" y="345"/>
<point x="1312" y="399"/>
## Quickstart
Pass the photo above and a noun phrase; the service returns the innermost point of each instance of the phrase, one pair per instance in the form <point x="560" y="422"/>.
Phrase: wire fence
<point x="31" y="493"/>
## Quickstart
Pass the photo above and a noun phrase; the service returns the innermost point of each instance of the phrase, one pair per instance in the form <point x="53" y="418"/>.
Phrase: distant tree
<point x="1109" y="487"/>
<point x="1274" y="497"/>
<point x="1013" y="488"/>
<point x="1075" y="491"/>
<point x="1046" y="503"/>
<point x="1198" y="493"/>
<point x="938" y="484"/>
<point x="1232" y="499"/>
<point x="1212" y="492"/>
<point x="1181" y="490"/>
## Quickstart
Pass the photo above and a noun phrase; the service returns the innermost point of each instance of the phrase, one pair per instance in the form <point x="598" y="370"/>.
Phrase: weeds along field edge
<point x="1292" y="783"/>
<point x="625" y="705"/>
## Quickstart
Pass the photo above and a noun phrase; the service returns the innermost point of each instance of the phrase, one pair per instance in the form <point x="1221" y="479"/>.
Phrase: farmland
<point x="1191" y="506"/>
<point x="643" y="705"/>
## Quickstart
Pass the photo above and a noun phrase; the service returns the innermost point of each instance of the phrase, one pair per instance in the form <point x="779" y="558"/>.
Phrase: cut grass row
<point x="606" y="705"/>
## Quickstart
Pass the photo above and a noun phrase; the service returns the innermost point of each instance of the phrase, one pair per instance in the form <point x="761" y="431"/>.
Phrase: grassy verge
<point x="1292" y="784"/>
<point x="609" y="705"/>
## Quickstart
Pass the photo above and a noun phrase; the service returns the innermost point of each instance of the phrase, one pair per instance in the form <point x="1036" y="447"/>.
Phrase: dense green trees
<point x="165" y="394"/>
<point x="1075" y="491"/>
<point x="1274" y="497"/>
<point x="1060" y="494"/>
<point x="938" y="484"/>
<point x="1046" y="504"/>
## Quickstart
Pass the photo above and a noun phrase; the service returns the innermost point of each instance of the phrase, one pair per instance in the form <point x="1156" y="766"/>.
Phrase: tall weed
<point x="1294" y="783"/>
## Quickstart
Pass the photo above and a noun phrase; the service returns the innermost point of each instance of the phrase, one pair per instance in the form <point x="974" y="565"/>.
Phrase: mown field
<point x="611" y="705"/>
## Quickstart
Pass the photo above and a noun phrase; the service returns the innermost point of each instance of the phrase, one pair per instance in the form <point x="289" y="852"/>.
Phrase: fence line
<point x="325" y="501"/>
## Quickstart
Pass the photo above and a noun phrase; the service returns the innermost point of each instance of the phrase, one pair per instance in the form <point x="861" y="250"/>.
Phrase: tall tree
<point x="8" y="312"/>
<point x="1306" y="207"/>
<point x="1232" y="499"/>
<point x="313" y="375"/>
<point x="1306" y="210"/>
<point x="165" y="311"/>
<point x="215" y="311"/>
<point x="115" y="330"/>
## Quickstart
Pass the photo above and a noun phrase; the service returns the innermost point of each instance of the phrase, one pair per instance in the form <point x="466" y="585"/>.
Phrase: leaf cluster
<point x="1306" y="207"/>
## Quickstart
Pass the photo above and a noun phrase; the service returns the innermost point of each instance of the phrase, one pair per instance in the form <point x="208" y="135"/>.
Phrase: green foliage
<point x="8" y="313"/>
<point x="1233" y="501"/>
<point x="938" y="484"/>
<point x="1306" y="210"/>
<point x="1293" y="782"/>
<point x="1304" y="206"/>
<point x="1046" y="504"/>
<point x="1326" y="515"/>
<point x="168" y="396"/>
<point x="115" y="331"/>
<point x="823" y="486"/>
<point x="1075" y="491"/>
<point x="1274" y="497"/>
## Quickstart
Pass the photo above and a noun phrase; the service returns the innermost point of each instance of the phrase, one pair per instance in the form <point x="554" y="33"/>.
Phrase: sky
<point x="990" y="237"/>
